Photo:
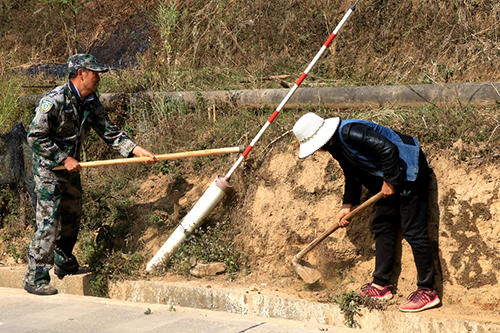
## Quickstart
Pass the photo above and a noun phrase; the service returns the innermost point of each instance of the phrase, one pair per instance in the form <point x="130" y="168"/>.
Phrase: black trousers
<point x="408" y="209"/>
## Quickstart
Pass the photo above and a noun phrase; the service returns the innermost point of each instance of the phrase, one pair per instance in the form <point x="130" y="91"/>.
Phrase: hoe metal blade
<point x="305" y="270"/>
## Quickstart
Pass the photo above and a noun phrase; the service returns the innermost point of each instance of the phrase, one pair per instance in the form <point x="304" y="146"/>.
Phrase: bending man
<point x="381" y="160"/>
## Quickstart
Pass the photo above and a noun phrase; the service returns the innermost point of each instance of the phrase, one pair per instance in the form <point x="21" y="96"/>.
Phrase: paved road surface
<point x="23" y="312"/>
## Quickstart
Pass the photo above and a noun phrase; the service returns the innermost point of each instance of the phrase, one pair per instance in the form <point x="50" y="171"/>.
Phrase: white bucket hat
<point x="313" y="132"/>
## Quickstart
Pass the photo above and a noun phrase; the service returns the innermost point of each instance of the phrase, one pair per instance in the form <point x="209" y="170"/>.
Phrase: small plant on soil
<point x="209" y="244"/>
<point x="112" y="266"/>
<point x="350" y="304"/>
<point x="155" y="221"/>
<point x="19" y="252"/>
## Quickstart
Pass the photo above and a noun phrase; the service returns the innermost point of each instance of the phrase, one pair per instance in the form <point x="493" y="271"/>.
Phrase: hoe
<point x="305" y="270"/>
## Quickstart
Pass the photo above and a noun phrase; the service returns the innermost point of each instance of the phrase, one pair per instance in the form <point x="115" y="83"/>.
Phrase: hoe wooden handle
<point x="327" y="232"/>
<point x="173" y="156"/>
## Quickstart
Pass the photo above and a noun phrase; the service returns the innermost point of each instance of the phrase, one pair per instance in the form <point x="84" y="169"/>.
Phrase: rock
<point x="210" y="269"/>
<point x="192" y="262"/>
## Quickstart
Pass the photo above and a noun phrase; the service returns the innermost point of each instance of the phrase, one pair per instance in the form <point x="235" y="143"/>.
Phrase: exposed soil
<point x="291" y="202"/>
<point x="288" y="202"/>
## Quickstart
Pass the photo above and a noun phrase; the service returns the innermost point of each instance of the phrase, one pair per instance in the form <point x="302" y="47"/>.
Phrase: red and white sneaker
<point x="423" y="298"/>
<point x="369" y="290"/>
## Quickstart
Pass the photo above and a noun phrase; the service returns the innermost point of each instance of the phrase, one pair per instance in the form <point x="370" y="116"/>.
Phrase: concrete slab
<point x="62" y="313"/>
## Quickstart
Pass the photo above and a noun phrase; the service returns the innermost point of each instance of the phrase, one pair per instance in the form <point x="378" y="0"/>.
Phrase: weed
<point x="16" y="213"/>
<point x="172" y="309"/>
<point x="111" y="266"/>
<point x="350" y="304"/>
<point x="209" y="244"/>
<point x="170" y="168"/>
<point x="106" y="228"/>
<point x="18" y="252"/>
<point x="155" y="221"/>
<point x="63" y="8"/>
<point x="442" y="126"/>
<point x="8" y="202"/>
<point x="9" y="102"/>
<point x="98" y="211"/>
<point x="148" y="312"/>
<point x="99" y="285"/>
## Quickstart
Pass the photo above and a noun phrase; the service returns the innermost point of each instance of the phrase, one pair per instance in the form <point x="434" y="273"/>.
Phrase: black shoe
<point x="62" y="272"/>
<point x="41" y="289"/>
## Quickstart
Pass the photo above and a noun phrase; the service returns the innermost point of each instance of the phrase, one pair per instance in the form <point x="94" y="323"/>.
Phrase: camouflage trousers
<point x="58" y="214"/>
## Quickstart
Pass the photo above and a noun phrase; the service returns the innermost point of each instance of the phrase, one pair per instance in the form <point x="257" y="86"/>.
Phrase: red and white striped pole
<point x="216" y="191"/>
<point x="292" y="91"/>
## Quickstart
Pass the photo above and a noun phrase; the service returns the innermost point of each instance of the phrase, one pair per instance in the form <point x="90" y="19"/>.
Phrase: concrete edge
<point x="288" y="308"/>
<point x="259" y="305"/>
<point x="13" y="277"/>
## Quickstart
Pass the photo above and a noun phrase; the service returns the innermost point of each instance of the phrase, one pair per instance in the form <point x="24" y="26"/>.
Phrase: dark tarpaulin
<point x="16" y="162"/>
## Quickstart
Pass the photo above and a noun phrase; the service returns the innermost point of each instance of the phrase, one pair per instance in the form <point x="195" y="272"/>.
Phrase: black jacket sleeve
<point x="372" y="144"/>
<point x="352" y="189"/>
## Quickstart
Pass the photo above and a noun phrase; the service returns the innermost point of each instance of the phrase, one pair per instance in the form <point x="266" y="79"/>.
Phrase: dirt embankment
<point x="290" y="202"/>
<point x="282" y="204"/>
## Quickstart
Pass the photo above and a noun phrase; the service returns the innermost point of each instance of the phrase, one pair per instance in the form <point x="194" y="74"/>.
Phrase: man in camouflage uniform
<point x="63" y="120"/>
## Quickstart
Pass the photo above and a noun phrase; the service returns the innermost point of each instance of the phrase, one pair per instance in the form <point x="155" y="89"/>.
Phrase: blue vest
<point x="408" y="154"/>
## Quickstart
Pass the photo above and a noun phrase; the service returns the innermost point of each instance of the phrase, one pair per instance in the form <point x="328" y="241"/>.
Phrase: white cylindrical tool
<point x="212" y="196"/>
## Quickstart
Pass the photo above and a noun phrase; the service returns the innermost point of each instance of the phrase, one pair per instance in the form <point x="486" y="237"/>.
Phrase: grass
<point x="443" y="127"/>
<point x="9" y="103"/>
<point x="237" y="44"/>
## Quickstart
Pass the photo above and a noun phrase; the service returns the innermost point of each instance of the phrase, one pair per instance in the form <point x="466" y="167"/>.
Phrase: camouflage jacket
<point x="62" y="122"/>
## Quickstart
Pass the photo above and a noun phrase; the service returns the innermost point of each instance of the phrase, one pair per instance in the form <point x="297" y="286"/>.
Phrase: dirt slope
<point x="290" y="202"/>
<point x="283" y="203"/>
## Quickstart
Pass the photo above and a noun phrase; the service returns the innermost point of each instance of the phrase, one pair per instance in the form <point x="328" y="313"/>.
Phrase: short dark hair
<point x="326" y="145"/>
<point x="74" y="74"/>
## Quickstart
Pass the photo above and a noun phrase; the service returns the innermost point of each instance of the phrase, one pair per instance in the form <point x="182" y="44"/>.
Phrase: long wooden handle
<point x="327" y="233"/>
<point x="173" y="156"/>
